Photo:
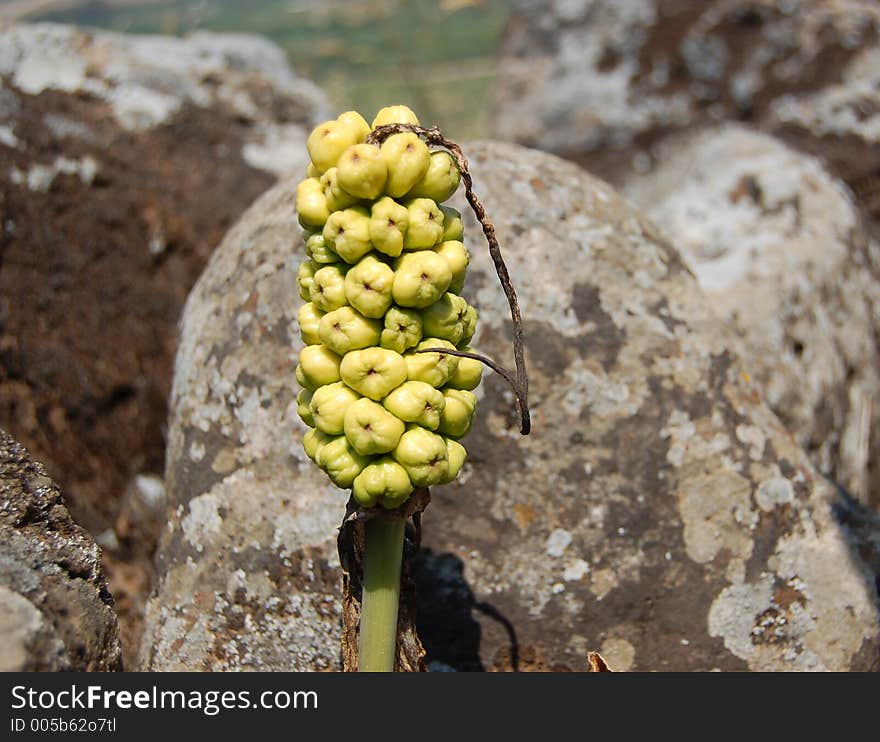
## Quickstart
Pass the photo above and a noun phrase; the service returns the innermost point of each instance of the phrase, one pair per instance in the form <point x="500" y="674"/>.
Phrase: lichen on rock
<point x="785" y="258"/>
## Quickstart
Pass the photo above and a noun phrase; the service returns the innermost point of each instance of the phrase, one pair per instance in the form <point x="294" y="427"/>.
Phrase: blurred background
<point x="437" y="57"/>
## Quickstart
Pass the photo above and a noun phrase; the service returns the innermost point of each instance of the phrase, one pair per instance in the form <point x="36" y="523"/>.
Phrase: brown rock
<point x="634" y="520"/>
<point x="123" y="161"/>
<point x="56" y="612"/>
<point x="128" y="556"/>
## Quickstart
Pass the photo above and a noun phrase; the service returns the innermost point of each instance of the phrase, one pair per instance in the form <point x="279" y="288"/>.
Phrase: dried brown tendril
<point x="519" y="381"/>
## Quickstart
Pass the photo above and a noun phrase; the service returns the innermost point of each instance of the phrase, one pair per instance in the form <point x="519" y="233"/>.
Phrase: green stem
<point x="381" y="594"/>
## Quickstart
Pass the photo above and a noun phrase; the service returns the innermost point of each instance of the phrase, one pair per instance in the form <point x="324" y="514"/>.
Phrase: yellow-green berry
<point x="441" y="179"/>
<point x="368" y="287"/>
<point x="456" y="255"/>
<point x="337" y="198"/>
<point x="327" y="289"/>
<point x="423" y="454"/>
<point x="467" y="375"/>
<point x="395" y="115"/>
<point x="302" y="407"/>
<point x="388" y="224"/>
<point x="452" y="227"/>
<point x="311" y="204"/>
<point x="370" y="428"/>
<point x="424" y="224"/>
<point x="446" y="318"/>
<point x="432" y="368"/>
<point x="373" y="372"/>
<point x="458" y="413"/>
<point x="328" y="141"/>
<point x="407" y="159"/>
<point x="362" y="171"/>
<point x="420" y="279"/>
<point x="456" y="455"/>
<point x="416" y="402"/>
<point x="345" y="329"/>
<point x="312" y="442"/>
<point x="382" y="482"/>
<point x="309" y="317"/>
<point x="341" y="462"/>
<point x="403" y="329"/>
<point x="318" y="366"/>
<point x="328" y="406"/>
<point x="305" y="277"/>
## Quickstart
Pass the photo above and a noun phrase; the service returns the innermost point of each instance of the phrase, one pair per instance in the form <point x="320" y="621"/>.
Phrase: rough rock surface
<point x="627" y="89"/>
<point x="603" y="80"/>
<point x="56" y="612"/>
<point x="123" y="161"/>
<point x="658" y="513"/>
<point x="780" y="249"/>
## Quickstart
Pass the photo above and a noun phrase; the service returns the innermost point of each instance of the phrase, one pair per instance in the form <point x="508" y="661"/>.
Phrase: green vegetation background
<point x="439" y="57"/>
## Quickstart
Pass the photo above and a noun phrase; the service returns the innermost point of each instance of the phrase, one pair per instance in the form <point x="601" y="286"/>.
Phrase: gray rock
<point x="779" y="248"/>
<point x="658" y="513"/>
<point x="30" y="642"/>
<point x="55" y="610"/>
<point x="603" y="81"/>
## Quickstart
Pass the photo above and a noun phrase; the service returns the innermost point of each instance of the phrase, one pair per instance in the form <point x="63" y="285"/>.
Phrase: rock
<point x="603" y="81"/>
<point x="626" y="88"/>
<point x="635" y="520"/>
<point x="56" y="612"/>
<point x="840" y="121"/>
<point x="779" y="247"/>
<point x="146" y="80"/>
<point x="123" y="161"/>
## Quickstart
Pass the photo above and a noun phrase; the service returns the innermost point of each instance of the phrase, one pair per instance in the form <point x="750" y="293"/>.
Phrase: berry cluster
<point x="382" y="280"/>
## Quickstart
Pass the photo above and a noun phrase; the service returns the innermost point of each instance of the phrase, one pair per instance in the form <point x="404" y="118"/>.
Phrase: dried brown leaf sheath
<point x="350" y="543"/>
<point x="597" y="662"/>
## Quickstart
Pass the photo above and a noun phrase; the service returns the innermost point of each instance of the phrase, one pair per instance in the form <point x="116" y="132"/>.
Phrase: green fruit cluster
<point x="383" y="278"/>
